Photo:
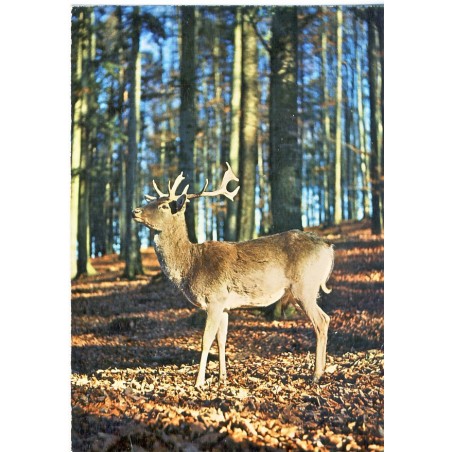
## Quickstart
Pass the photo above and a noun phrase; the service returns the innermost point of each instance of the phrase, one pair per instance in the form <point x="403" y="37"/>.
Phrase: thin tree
<point x="285" y="153"/>
<point x="78" y="108"/>
<point x="187" y="128"/>
<point x="108" y="181"/>
<point x="231" y="222"/>
<point x="132" y="246"/>
<point x="85" y="266"/>
<point x="122" y="214"/>
<point x="338" y="140"/>
<point x="326" y="139"/>
<point x="81" y="144"/>
<point x="350" y="154"/>
<point x="361" y="127"/>
<point x="374" y="21"/>
<point x="248" y="127"/>
<point x="219" y="120"/>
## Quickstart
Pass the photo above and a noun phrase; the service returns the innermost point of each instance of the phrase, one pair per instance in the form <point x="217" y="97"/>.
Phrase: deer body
<point x="220" y="276"/>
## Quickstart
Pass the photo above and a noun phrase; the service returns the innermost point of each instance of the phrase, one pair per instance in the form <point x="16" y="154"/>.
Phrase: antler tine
<point x="203" y="188"/>
<point x="150" y="198"/>
<point x="159" y="192"/>
<point x="177" y="182"/>
<point x="228" y="176"/>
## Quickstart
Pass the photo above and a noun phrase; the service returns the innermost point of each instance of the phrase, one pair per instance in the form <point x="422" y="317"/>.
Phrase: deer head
<point x="168" y="208"/>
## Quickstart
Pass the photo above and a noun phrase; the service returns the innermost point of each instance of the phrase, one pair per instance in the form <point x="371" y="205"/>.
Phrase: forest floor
<point x="136" y="348"/>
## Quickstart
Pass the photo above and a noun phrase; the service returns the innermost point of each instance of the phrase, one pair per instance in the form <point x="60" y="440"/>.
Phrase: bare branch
<point x="252" y="20"/>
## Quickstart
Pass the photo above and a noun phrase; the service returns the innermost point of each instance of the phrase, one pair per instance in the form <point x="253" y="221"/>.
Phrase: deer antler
<point x="228" y="176"/>
<point x="171" y="189"/>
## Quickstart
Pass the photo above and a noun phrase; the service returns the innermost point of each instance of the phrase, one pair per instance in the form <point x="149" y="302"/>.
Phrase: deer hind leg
<point x="221" y="339"/>
<point x="213" y="321"/>
<point x="307" y="300"/>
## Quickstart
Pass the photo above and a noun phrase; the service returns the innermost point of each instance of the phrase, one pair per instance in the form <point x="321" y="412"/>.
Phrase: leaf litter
<point x="136" y="348"/>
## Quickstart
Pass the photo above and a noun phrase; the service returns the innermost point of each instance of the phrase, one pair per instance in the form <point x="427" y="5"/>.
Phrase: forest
<point x="291" y="97"/>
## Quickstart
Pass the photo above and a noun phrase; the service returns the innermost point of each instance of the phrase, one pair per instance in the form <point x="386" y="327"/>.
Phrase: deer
<point x="220" y="276"/>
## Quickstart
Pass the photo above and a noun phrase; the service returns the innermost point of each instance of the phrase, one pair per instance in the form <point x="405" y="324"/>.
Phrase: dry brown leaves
<point x="135" y="352"/>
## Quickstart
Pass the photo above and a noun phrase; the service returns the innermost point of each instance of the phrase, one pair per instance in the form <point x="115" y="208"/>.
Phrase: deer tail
<point x="323" y="285"/>
<point x="324" y="288"/>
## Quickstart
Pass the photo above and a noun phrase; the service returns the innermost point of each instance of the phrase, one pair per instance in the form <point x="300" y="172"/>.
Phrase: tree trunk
<point x="231" y="222"/>
<point x="84" y="266"/>
<point x="338" y="153"/>
<point x="105" y="183"/>
<point x="205" y="204"/>
<point x="350" y="155"/>
<point x="122" y="215"/>
<point x="132" y="245"/>
<point x="108" y="203"/>
<point x="76" y="148"/>
<point x="218" y="108"/>
<point x="187" y="107"/>
<point x="263" y="226"/>
<point x="376" y="124"/>
<point x="362" y="131"/>
<point x="326" y="141"/>
<point x="248" y="128"/>
<point x="379" y="20"/>
<point x="285" y="154"/>
<point x="83" y="232"/>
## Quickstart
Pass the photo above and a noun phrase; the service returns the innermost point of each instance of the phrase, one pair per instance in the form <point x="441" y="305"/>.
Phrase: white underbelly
<point x="235" y="301"/>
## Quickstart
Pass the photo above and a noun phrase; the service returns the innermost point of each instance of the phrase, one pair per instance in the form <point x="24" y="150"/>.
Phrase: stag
<point x="220" y="276"/>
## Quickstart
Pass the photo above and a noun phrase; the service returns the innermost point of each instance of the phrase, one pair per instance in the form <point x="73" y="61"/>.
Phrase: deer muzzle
<point x="136" y="214"/>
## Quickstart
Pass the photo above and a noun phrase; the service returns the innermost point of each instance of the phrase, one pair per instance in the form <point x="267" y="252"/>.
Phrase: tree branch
<point x="261" y="38"/>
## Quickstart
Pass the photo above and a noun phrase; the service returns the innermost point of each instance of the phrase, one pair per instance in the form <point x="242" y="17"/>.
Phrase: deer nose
<point x="137" y="211"/>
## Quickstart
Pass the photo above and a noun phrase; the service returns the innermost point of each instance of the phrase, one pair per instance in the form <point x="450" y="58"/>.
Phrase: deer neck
<point x="174" y="251"/>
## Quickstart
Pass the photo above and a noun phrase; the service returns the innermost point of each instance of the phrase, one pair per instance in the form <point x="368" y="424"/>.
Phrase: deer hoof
<point x="316" y="378"/>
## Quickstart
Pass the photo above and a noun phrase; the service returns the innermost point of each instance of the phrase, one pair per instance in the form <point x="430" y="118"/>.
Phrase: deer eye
<point x="164" y="206"/>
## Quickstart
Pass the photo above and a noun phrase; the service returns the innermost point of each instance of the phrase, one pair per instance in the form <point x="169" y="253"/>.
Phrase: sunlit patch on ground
<point x="136" y="348"/>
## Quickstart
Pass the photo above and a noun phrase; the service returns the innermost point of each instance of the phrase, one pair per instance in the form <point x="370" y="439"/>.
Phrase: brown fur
<point x="220" y="276"/>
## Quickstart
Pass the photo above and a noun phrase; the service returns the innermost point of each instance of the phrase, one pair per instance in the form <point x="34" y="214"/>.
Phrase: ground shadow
<point x="91" y="358"/>
<point x="122" y="433"/>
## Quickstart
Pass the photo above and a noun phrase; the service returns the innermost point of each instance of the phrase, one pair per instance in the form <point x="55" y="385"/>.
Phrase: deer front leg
<point x="214" y="316"/>
<point x="221" y="339"/>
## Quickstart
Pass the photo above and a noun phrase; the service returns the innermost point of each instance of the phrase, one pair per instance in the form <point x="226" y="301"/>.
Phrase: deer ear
<point x="180" y="202"/>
